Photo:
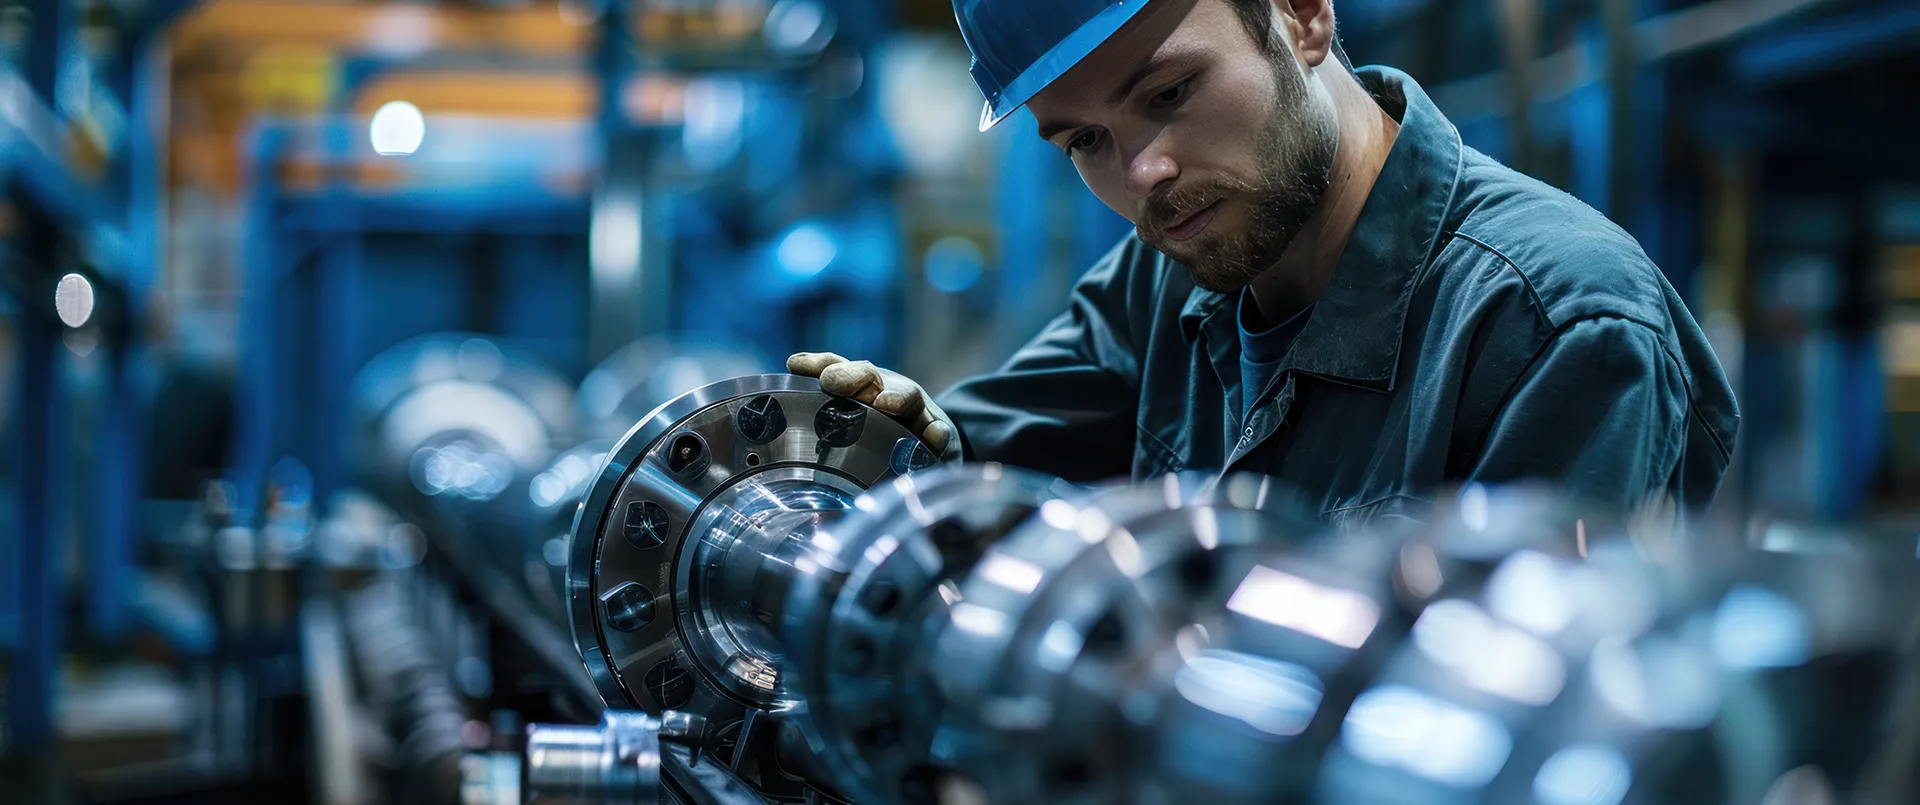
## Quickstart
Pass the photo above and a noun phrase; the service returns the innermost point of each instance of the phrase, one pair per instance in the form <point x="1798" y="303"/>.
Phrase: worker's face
<point x="1216" y="150"/>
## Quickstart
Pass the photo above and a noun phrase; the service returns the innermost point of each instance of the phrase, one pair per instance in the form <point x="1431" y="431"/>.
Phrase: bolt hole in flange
<point x="646" y="525"/>
<point x="911" y="455"/>
<point x="1197" y="571"/>
<point x="881" y="598"/>
<point x="670" y="684"/>
<point x="1108" y="635"/>
<point x="753" y="459"/>
<point x="687" y="455"/>
<point x="761" y="419"/>
<point x="957" y="544"/>
<point x="629" y="607"/>
<point x="840" y="422"/>
<point x="857" y="655"/>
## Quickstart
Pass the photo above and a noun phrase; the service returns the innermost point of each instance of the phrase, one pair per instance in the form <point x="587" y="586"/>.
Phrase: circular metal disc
<point x="1079" y="606"/>
<point x="638" y="524"/>
<point x="856" y="617"/>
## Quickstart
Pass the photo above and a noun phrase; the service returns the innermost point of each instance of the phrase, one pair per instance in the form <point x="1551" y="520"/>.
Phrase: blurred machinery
<point x="778" y="597"/>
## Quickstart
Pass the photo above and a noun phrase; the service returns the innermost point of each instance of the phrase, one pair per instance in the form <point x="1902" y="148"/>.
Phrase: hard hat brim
<point x="1058" y="60"/>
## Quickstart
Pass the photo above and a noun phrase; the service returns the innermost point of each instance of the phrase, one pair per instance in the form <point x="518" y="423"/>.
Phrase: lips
<point x="1193" y="224"/>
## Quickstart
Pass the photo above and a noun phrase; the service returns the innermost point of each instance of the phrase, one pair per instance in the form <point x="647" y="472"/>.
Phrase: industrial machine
<point x="780" y="597"/>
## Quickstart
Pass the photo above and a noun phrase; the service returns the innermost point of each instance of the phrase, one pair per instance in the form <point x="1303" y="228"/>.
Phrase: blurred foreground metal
<point x="979" y="634"/>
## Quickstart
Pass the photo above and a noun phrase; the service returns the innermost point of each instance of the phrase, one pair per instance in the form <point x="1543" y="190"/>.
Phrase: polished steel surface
<point x="857" y="615"/>
<point x="751" y="556"/>
<point x="979" y="634"/>
<point x="733" y="584"/>
<point x="697" y="506"/>
<point x="616" y="762"/>
<point x="1062" y="620"/>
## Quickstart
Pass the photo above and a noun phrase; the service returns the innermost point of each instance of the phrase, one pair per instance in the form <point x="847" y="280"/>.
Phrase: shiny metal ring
<point x="1087" y="601"/>
<point x="857" y="616"/>
<point x="683" y="542"/>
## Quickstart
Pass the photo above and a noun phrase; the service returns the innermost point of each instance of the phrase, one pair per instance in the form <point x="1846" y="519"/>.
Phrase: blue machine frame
<point x="113" y="224"/>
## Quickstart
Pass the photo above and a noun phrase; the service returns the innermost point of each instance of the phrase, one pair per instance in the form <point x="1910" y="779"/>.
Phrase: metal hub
<point x="1084" y="603"/>
<point x="857" y="618"/>
<point x="684" y="549"/>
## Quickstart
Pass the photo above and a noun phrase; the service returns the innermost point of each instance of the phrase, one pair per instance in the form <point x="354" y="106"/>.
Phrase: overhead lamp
<point x="398" y="129"/>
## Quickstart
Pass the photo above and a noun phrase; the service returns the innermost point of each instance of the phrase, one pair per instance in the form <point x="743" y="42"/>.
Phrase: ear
<point x="1310" y="24"/>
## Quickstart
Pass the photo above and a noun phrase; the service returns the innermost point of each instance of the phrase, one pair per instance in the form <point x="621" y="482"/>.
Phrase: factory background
<point x="229" y="225"/>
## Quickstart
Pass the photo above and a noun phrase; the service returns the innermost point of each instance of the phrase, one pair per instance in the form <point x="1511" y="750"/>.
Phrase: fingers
<point x="891" y="393"/>
<point x="810" y="364"/>
<point x="901" y="398"/>
<point x="911" y="407"/>
<point x="938" y="435"/>
<point x="859" y="380"/>
<point x="939" y="432"/>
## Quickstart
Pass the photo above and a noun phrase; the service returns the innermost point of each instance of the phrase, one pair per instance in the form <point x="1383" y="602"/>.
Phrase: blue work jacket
<point x="1480" y="327"/>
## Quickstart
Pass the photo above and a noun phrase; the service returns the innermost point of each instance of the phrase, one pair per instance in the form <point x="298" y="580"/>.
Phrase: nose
<point x="1151" y="167"/>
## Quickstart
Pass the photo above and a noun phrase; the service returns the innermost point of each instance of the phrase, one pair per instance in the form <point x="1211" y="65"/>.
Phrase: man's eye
<point x="1172" y="95"/>
<point x="1084" y="141"/>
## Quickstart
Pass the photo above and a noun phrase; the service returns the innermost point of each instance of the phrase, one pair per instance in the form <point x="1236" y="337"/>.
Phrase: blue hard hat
<point x="1021" y="46"/>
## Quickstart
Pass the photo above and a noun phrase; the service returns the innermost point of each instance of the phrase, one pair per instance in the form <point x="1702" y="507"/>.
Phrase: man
<point x="1324" y="284"/>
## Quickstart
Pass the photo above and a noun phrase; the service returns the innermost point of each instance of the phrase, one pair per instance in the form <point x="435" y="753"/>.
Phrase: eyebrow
<point x="1158" y="61"/>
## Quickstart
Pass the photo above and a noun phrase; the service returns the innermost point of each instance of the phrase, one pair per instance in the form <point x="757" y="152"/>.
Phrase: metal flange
<point x="1080" y="605"/>
<point x="857" y="617"/>
<point x="682" y="553"/>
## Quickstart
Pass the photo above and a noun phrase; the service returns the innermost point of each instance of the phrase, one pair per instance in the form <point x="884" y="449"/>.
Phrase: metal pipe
<point x="616" y="762"/>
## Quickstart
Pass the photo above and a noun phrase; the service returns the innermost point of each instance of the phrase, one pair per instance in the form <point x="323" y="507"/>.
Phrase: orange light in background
<point x="537" y="29"/>
<point x="484" y="93"/>
<point x="694" y="27"/>
<point x="290" y="79"/>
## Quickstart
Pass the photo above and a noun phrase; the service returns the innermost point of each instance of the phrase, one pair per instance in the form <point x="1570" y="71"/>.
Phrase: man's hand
<point x="888" y="391"/>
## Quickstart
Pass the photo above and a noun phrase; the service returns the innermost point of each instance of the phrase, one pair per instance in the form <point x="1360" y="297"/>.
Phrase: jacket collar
<point x="1356" y="328"/>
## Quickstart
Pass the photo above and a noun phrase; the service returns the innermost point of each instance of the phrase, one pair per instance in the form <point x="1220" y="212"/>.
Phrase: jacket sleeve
<point x="1065" y="403"/>
<point x="1603" y="410"/>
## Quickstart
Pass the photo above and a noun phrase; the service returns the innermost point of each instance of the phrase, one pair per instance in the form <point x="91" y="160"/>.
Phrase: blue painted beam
<point x="51" y="34"/>
<point x="1832" y="43"/>
<point x="42" y="473"/>
<point x="146" y="24"/>
<point x="525" y="211"/>
<point x="122" y="475"/>
<point x="109" y="562"/>
<point x="256" y="442"/>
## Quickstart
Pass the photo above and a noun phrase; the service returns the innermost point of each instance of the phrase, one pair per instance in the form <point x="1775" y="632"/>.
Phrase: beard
<point x="1294" y="158"/>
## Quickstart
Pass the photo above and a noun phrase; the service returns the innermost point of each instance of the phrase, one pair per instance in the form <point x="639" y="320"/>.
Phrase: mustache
<point x="1172" y="206"/>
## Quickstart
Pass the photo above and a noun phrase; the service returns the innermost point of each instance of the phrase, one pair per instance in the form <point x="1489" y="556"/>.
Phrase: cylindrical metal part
<point x="1057" y="626"/>
<point x="857" y="621"/>
<point x="744" y="566"/>
<point x="700" y="513"/>
<point x="688" y="544"/>
<point x="616" y="762"/>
